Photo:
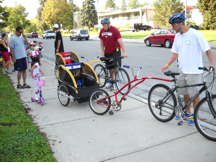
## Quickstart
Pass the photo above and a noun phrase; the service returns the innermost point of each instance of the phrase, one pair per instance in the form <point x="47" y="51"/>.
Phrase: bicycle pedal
<point x="124" y="99"/>
<point x="180" y="123"/>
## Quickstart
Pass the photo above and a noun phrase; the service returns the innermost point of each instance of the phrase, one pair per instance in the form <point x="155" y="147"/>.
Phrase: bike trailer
<point x="77" y="80"/>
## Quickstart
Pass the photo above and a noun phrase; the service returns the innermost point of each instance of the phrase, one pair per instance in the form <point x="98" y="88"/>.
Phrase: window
<point x="157" y="32"/>
<point x="84" y="32"/>
<point x="173" y="31"/>
<point x="163" y="31"/>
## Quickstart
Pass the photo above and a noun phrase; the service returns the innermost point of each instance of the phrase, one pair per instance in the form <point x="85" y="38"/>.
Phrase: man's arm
<point x="12" y="52"/>
<point x="210" y="57"/>
<point x="172" y="59"/>
<point x="102" y="48"/>
<point x="58" y="46"/>
<point x="26" y="41"/>
<point x="123" y="47"/>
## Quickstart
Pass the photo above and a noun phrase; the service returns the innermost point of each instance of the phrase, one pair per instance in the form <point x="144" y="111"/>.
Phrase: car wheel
<point x="137" y="30"/>
<point x="71" y="38"/>
<point x="77" y="38"/>
<point x="133" y="30"/>
<point x="87" y="38"/>
<point x="167" y="44"/>
<point x="46" y="37"/>
<point x="43" y="37"/>
<point x="148" y="42"/>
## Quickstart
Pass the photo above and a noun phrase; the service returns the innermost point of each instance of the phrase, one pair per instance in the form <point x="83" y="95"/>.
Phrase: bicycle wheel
<point x="123" y="78"/>
<point x="204" y="120"/>
<point x="55" y="71"/>
<point x="161" y="110"/>
<point x="97" y="105"/>
<point x="62" y="94"/>
<point x="101" y="74"/>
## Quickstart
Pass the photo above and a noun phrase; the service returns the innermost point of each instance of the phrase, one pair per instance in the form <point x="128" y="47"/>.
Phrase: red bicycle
<point x="100" y="101"/>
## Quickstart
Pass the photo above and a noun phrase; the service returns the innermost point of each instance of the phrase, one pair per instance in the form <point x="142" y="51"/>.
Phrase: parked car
<point x="164" y="37"/>
<point x="140" y="26"/>
<point x="33" y="34"/>
<point x="79" y="35"/>
<point x="48" y="34"/>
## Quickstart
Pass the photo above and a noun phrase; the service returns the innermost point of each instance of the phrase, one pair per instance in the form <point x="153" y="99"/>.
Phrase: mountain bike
<point x="164" y="106"/>
<point x="121" y="75"/>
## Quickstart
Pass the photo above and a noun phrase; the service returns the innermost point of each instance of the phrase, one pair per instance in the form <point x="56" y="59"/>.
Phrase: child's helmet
<point x="34" y="56"/>
<point x="31" y="43"/>
<point x="35" y="41"/>
<point x="40" y="42"/>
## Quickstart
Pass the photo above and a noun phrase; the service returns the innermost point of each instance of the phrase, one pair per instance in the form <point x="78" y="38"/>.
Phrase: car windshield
<point x="84" y="32"/>
<point x="173" y="31"/>
<point x="34" y="33"/>
<point x="51" y="32"/>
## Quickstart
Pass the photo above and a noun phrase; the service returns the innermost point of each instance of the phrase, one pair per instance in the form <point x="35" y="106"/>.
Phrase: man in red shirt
<point x="111" y="44"/>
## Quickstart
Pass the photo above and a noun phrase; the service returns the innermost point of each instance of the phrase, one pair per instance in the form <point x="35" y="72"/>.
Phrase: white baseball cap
<point x="56" y="26"/>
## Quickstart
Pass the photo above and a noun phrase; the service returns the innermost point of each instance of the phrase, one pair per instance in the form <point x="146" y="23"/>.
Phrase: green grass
<point x="209" y="35"/>
<point x="20" y="139"/>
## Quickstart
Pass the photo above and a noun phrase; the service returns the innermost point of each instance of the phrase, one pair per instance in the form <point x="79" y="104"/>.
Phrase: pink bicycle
<point x="40" y="83"/>
<point x="100" y="101"/>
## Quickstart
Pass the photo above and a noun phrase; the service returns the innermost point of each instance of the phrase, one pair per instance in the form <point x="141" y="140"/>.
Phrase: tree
<point x="3" y="16"/>
<point x="208" y="10"/>
<point x="32" y="27"/>
<point x="17" y="17"/>
<point x="89" y="14"/>
<point x="133" y="4"/>
<point x="124" y="6"/>
<point x="110" y="4"/>
<point x="41" y="23"/>
<point x="57" y="12"/>
<point x="164" y="9"/>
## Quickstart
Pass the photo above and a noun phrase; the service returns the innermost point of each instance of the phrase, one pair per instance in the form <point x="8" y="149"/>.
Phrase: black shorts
<point x="20" y="64"/>
<point x="113" y="63"/>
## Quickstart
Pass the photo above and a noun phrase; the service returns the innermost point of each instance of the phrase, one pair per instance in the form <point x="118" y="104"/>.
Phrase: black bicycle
<point x="121" y="74"/>
<point x="164" y="106"/>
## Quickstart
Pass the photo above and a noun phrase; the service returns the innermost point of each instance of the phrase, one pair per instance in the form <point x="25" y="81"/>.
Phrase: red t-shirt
<point x="110" y="38"/>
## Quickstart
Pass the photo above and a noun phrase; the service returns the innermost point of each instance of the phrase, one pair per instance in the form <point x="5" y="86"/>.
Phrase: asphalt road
<point x="151" y="59"/>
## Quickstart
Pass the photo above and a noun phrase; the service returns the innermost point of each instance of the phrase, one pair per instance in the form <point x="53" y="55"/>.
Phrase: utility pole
<point x="186" y="12"/>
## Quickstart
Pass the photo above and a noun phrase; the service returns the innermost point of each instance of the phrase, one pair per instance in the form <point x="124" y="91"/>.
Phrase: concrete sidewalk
<point x="75" y="133"/>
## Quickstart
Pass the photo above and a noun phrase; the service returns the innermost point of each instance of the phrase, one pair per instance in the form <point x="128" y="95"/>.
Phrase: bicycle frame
<point x="204" y="88"/>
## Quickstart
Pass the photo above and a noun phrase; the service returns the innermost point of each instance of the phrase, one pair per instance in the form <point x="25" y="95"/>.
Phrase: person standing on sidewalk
<point x="58" y="40"/>
<point x="5" y="54"/>
<point x="18" y="51"/>
<point x="111" y="44"/>
<point x="188" y="47"/>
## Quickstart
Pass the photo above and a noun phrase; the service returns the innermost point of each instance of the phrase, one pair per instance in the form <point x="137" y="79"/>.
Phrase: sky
<point x="32" y="5"/>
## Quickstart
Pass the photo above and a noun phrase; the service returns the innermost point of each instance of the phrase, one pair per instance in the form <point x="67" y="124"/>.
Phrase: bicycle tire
<point x="64" y="90"/>
<point x="101" y="74"/>
<point x="157" y="92"/>
<point x="97" y="108"/>
<point x="204" y="120"/>
<point x="123" y="78"/>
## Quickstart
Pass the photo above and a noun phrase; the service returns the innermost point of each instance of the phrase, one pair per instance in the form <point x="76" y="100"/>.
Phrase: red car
<point x="163" y="37"/>
<point x="34" y="34"/>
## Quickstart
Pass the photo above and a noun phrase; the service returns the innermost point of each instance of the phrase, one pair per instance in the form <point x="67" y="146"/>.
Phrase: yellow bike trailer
<point x="76" y="81"/>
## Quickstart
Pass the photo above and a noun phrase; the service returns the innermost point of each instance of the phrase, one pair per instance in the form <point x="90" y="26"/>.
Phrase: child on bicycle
<point x="31" y="49"/>
<point x="35" y="72"/>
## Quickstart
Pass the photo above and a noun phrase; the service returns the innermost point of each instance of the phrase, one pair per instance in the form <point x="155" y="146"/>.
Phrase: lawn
<point x="209" y="35"/>
<point x="20" y="139"/>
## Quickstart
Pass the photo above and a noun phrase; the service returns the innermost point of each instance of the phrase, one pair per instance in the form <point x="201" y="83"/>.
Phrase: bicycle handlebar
<point x="205" y="69"/>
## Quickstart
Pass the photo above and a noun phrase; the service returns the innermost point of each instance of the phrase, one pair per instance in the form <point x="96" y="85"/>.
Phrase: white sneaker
<point x="3" y="71"/>
<point x="108" y="85"/>
<point x="8" y="72"/>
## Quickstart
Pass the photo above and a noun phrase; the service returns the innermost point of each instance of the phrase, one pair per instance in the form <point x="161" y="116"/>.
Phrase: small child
<point x="35" y="72"/>
<point x="31" y="49"/>
<point x="37" y="49"/>
<point x="40" y="49"/>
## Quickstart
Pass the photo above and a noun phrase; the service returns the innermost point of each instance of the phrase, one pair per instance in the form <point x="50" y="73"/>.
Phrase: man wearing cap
<point x="58" y="41"/>
<point x="111" y="44"/>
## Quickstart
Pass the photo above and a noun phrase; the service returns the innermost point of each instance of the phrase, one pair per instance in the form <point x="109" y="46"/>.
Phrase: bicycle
<point x="104" y="76"/>
<point x="100" y="101"/>
<point x="164" y="106"/>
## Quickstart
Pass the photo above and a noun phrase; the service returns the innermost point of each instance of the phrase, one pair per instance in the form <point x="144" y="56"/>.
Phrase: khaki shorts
<point x="186" y="79"/>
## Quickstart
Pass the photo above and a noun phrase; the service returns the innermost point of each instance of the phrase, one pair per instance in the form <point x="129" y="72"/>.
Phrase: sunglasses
<point x="20" y="32"/>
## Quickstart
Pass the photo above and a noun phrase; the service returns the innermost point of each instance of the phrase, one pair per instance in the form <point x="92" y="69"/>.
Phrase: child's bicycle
<point x="40" y="83"/>
<point x="163" y="103"/>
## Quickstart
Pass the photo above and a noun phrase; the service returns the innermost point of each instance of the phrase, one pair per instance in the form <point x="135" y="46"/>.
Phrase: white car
<point x="79" y="35"/>
<point x="48" y="34"/>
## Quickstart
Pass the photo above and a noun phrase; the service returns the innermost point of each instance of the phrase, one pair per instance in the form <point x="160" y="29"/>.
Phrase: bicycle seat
<point x="171" y="73"/>
<point x="113" y="81"/>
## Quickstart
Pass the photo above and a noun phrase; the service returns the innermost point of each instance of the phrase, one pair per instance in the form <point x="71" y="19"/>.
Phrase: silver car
<point x="79" y="35"/>
<point x="48" y="34"/>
